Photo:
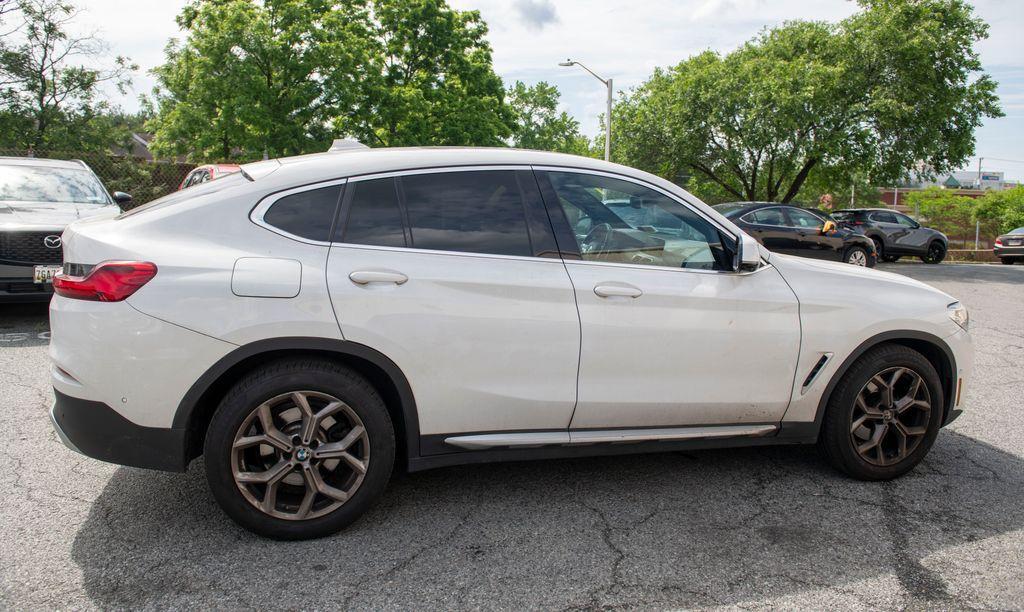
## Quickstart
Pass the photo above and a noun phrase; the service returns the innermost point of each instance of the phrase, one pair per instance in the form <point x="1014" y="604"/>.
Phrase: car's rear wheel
<point x="858" y="256"/>
<point x="1006" y="261"/>
<point x="884" y="415"/>
<point x="299" y="448"/>
<point x="936" y="253"/>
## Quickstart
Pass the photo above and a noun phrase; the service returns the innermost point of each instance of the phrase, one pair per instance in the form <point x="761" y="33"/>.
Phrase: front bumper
<point x="96" y="430"/>
<point x="16" y="285"/>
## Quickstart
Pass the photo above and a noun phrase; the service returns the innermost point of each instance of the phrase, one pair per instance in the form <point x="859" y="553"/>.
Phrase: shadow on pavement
<point x="965" y="273"/>
<point x="24" y="324"/>
<point x="673" y="529"/>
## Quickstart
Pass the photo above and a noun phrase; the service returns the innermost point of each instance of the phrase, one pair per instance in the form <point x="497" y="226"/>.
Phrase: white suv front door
<point x="455" y="277"/>
<point x="670" y="335"/>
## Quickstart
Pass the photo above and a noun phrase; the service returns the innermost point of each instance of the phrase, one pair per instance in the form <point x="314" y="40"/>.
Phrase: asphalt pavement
<point x="751" y="528"/>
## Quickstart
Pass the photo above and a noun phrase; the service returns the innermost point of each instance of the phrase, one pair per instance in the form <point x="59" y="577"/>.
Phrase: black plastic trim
<point x="417" y="464"/>
<point x="183" y="417"/>
<point x="98" y="431"/>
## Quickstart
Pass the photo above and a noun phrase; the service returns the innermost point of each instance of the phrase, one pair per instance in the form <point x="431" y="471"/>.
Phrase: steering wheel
<point x="597" y="239"/>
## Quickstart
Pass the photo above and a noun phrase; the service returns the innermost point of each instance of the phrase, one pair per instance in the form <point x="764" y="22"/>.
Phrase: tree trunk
<point x="798" y="182"/>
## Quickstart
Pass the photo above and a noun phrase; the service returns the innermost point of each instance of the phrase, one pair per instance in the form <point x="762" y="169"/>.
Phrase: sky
<point x="620" y="40"/>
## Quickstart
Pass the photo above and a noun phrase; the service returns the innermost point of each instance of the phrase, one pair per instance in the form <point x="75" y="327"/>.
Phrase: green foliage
<point x="943" y="210"/>
<point x="284" y="77"/>
<point x="1002" y="211"/>
<point x="539" y="125"/>
<point x="874" y="95"/>
<point x="250" y="77"/>
<point x="49" y="81"/>
<point x="429" y="81"/>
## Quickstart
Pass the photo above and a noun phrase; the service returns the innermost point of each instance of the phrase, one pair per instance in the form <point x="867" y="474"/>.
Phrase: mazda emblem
<point x="52" y="241"/>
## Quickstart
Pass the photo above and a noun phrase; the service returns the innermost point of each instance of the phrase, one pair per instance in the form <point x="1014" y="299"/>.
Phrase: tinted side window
<point x="884" y="217"/>
<point x="765" y="216"/>
<point x="803" y="219"/>
<point x="374" y="216"/>
<point x="473" y="212"/>
<point x="307" y="214"/>
<point x="905" y="221"/>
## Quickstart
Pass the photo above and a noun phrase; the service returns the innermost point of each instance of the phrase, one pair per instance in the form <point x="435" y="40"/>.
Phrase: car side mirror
<point x="828" y="228"/>
<point x="122" y="199"/>
<point x="749" y="256"/>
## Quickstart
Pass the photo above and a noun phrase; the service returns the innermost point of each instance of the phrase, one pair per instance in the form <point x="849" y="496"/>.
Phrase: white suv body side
<point x="485" y="352"/>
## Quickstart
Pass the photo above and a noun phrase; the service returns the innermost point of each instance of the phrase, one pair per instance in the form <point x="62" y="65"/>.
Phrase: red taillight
<point x="999" y="242"/>
<point x="110" y="281"/>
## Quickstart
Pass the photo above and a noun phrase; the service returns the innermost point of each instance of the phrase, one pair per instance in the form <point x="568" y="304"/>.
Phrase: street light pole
<point x="608" y="113"/>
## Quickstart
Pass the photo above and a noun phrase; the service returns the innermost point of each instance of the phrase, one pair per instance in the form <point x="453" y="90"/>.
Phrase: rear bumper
<point x="1014" y="251"/>
<point x="96" y="430"/>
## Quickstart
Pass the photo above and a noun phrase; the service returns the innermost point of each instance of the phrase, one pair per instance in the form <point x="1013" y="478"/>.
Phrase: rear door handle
<point x="364" y="277"/>
<point x="617" y="290"/>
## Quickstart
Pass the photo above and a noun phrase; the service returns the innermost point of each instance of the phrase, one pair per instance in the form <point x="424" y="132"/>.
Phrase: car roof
<point x="745" y="207"/>
<point x="43" y="162"/>
<point x="305" y="169"/>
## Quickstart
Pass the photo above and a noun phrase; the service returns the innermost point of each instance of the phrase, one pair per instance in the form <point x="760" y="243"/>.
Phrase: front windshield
<point x="47" y="184"/>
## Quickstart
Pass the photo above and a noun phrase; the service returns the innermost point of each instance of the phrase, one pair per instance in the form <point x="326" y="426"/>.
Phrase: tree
<point x="50" y="80"/>
<point x="1001" y="211"/>
<point x="538" y="124"/>
<point x="888" y="90"/>
<point x="945" y="211"/>
<point x="430" y="80"/>
<point x="256" y="78"/>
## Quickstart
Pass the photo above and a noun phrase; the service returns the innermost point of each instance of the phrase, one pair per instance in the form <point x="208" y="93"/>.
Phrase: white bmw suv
<point x="310" y="323"/>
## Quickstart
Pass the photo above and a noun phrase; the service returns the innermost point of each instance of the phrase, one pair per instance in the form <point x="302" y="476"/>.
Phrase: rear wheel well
<point x="202" y="411"/>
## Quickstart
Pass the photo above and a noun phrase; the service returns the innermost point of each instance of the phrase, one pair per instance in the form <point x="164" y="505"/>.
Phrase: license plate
<point x="45" y="274"/>
<point x="1013" y="243"/>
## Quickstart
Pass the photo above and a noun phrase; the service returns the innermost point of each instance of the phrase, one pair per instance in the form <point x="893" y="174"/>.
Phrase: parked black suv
<point x="896" y="234"/>
<point x="795" y="230"/>
<point x="38" y="198"/>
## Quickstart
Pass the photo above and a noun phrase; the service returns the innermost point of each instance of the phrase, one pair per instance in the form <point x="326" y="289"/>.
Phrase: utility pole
<point x="977" y="224"/>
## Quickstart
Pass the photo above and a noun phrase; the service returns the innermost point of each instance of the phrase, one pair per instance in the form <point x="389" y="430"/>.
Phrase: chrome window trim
<point x="260" y="210"/>
<point x="391" y="249"/>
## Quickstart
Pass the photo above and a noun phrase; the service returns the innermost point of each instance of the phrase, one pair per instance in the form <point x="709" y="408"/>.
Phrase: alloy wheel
<point x="300" y="455"/>
<point x="890" y="416"/>
<point x="857" y="257"/>
<point x="936" y="253"/>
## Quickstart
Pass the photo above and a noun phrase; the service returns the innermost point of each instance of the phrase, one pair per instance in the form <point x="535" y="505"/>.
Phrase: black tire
<point x="890" y="258"/>
<point x="1006" y="261"/>
<point x="879" y="249"/>
<point x="274" y="380"/>
<point x="854" y="253"/>
<point x="936" y="253"/>
<point x="836" y="440"/>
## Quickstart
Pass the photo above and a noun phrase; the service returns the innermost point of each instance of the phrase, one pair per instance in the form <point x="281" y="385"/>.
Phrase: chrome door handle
<point x="364" y="277"/>
<point x="617" y="291"/>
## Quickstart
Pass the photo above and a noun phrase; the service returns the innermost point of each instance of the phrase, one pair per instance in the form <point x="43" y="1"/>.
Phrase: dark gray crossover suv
<point x="38" y="199"/>
<point x="896" y="234"/>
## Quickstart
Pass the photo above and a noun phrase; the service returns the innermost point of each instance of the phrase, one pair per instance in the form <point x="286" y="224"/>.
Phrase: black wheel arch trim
<point x="947" y="378"/>
<point x="183" y="417"/>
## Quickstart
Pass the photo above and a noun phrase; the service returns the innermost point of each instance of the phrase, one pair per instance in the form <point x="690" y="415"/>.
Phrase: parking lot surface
<point x="751" y="528"/>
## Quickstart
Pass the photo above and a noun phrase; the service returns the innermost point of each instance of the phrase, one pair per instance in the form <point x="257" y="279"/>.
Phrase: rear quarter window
<point x="307" y="214"/>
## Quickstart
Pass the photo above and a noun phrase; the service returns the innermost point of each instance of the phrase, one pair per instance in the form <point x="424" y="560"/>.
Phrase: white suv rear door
<point x="671" y="336"/>
<point x="455" y="276"/>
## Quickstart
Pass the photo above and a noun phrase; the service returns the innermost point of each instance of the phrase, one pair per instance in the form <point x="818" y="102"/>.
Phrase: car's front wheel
<point x="299" y="448"/>
<point x="858" y="256"/>
<point x="883" y="415"/>
<point x="936" y="253"/>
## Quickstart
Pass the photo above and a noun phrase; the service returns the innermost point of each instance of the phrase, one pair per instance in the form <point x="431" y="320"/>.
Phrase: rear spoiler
<point x="260" y="169"/>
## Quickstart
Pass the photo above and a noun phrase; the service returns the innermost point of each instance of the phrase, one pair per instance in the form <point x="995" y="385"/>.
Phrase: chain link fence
<point x="144" y="179"/>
